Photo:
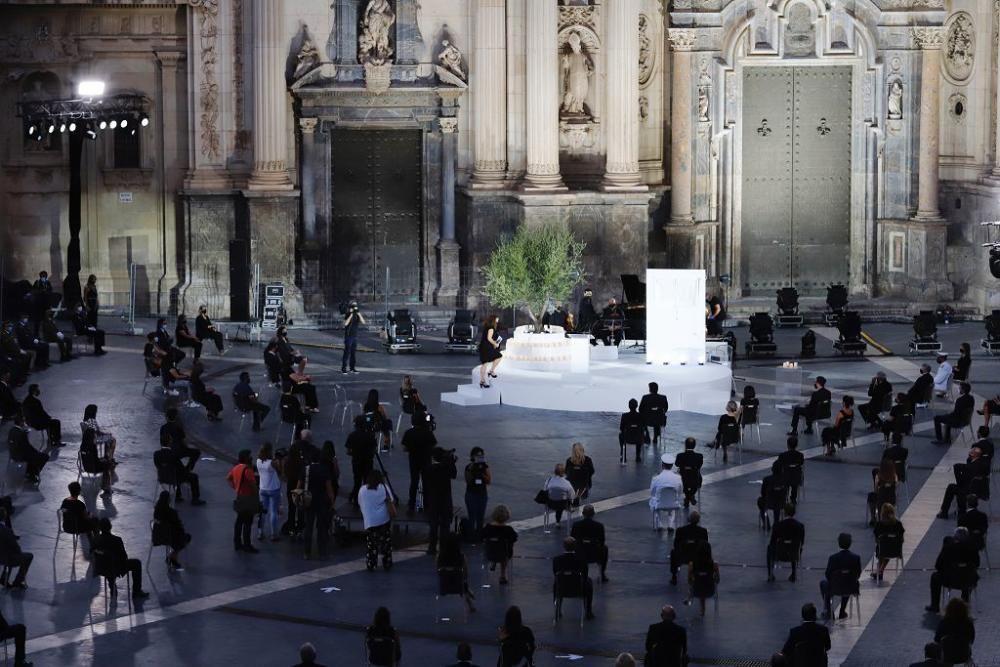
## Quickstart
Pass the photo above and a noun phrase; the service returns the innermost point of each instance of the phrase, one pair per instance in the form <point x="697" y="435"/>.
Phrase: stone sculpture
<point x="896" y="100"/>
<point x="308" y="58"/>
<point x="376" y="23"/>
<point x="577" y="69"/>
<point x="451" y="59"/>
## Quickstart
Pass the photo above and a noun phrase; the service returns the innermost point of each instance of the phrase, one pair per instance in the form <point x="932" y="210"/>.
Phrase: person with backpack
<point x="418" y="441"/>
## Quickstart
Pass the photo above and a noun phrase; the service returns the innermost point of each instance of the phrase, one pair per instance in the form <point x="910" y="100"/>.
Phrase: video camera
<point x="348" y="307"/>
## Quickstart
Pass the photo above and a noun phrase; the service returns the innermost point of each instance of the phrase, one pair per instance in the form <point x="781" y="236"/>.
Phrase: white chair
<point x="558" y="495"/>
<point x="667" y="500"/>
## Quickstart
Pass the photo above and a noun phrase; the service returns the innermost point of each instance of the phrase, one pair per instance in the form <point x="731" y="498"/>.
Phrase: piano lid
<point x="633" y="289"/>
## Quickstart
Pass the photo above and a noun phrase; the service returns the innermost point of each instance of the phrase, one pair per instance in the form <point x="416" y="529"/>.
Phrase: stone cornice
<point x="928" y="37"/>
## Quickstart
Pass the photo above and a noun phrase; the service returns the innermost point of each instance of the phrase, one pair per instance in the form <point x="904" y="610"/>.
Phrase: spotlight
<point x="788" y="301"/>
<point x="133" y="132"/>
<point x="103" y="125"/>
<point x="52" y="127"/>
<point x="144" y="120"/>
<point x="836" y="298"/>
<point x="72" y="127"/>
<point x="995" y="262"/>
<point x="124" y="123"/>
<point x="91" y="134"/>
<point x="90" y="88"/>
<point x="38" y="137"/>
<point x="925" y="325"/>
<point x="993" y="326"/>
<point x="849" y="326"/>
<point x="62" y="128"/>
<point x="761" y="336"/>
<point x="113" y="124"/>
<point x="31" y="130"/>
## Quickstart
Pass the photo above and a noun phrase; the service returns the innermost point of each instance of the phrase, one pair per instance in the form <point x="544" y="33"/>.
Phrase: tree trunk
<point x="535" y="321"/>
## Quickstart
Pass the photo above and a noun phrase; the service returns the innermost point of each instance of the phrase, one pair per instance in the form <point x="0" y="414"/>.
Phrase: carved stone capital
<point x="308" y="125"/>
<point x="928" y="37"/>
<point x="448" y="125"/>
<point x="682" y="39"/>
<point x="170" y="59"/>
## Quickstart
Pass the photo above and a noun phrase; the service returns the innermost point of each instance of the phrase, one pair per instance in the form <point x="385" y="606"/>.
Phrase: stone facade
<point x="245" y="97"/>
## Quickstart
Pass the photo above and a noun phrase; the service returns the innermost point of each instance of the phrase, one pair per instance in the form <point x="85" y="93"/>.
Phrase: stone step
<point x="471" y="395"/>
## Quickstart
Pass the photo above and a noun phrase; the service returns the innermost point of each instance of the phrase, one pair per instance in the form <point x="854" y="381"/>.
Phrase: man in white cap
<point x="943" y="375"/>
<point x="666" y="492"/>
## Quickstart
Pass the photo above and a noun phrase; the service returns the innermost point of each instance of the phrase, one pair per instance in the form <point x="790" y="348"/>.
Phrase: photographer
<point x="352" y="321"/>
<point x="418" y="441"/>
<point x="361" y="447"/>
<point x="437" y="494"/>
<point x="477" y="481"/>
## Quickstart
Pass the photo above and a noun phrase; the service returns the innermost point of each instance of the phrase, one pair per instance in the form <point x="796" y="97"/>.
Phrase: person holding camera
<point x="352" y="321"/>
<point x="477" y="481"/>
<point x="361" y="447"/>
<point x="418" y="441"/>
<point x="437" y="494"/>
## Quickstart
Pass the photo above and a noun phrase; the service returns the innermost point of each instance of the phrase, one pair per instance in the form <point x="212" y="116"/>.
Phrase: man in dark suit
<point x="666" y="642"/>
<point x="819" y="401"/>
<point x="589" y="536"/>
<point x="984" y="443"/>
<point x="973" y="476"/>
<point x="437" y="495"/>
<point x="880" y="393"/>
<point x="84" y="328"/>
<point x="246" y="400"/>
<point x="976" y="522"/>
<point x="932" y="656"/>
<point x="570" y="562"/>
<point x="686" y="541"/>
<point x="792" y="461"/>
<point x="921" y="390"/>
<point x="25" y="334"/>
<point x="956" y="550"/>
<point x="21" y="451"/>
<point x="19" y="360"/>
<point x="16" y="632"/>
<point x="688" y="464"/>
<point x="11" y="555"/>
<point x="174" y="434"/>
<point x="959" y="417"/>
<point x="52" y="334"/>
<point x="653" y="408"/>
<point x="37" y="418"/>
<point x="788" y="533"/>
<point x="585" y="313"/>
<point x="418" y="442"/>
<point x="9" y="406"/>
<point x="844" y="567"/>
<point x="111" y="547"/>
<point x="808" y="643"/>
<point x="166" y="459"/>
<point x="630" y="432"/>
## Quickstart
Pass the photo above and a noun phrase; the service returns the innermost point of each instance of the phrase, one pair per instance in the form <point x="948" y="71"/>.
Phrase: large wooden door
<point x="377" y="214"/>
<point x="796" y="178"/>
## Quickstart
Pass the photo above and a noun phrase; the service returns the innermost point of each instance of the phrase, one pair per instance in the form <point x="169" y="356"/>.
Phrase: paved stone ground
<point x="228" y="608"/>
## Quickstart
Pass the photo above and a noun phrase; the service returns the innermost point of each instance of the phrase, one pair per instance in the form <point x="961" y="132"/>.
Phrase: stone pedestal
<point x="913" y="260"/>
<point x="271" y="219"/>
<point x="449" y="274"/>
<point x="209" y="225"/>
<point x="692" y="246"/>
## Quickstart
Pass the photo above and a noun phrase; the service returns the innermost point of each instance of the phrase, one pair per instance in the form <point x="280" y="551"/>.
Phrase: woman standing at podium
<point x="489" y="350"/>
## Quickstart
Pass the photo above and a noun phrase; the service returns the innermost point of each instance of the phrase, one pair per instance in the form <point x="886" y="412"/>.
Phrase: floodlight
<point x="52" y="127"/>
<point x="849" y="326"/>
<point x="124" y="123"/>
<point x="925" y="325"/>
<point x="62" y="128"/>
<point x="761" y="327"/>
<point x="31" y="130"/>
<point x="113" y="124"/>
<point x="788" y="301"/>
<point x="72" y="127"/>
<point x="993" y="326"/>
<point x="144" y="120"/>
<point x="836" y="297"/>
<point x="103" y="125"/>
<point x="90" y="88"/>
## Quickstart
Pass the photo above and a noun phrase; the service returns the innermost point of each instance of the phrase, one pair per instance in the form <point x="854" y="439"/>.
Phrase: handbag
<point x="542" y="497"/>
<point x="245" y="504"/>
<point x="303" y="497"/>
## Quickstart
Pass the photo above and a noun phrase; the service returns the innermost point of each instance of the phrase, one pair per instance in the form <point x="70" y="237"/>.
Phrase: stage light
<point x="124" y="123"/>
<point x="72" y="127"/>
<point x="91" y="134"/>
<point x="761" y="328"/>
<point x="90" y="88"/>
<point x="808" y="344"/>
<point x="993" y="326"/>
<point x="836" y="298"/>
<point x="113" y="124"/>
<point x="31" y="130"/>
<point x="995" y="262"/>
<point x="52" y="127"/>
<point x="62" y="128"/>
<point x="849" y="326"/>
<point x="925" y="325"/>
<point x="103" y="125"/>
<point x="788" y="301"/>
<point x="144" y="120"/>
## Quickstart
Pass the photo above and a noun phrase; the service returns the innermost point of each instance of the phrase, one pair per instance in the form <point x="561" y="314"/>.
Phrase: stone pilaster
<point x="307" y="127"/>
<point x="206" y="159"/>
<point x="682" y="42"/>
<point x="447" y="248"/>
<point x="270" y="140"/>
<point x="929" y="39"/>
<point x="489" y="108"/>
<point x="542" y="41"/>
<point x="346" y="27"/>
<point x="622" y="168"/>
<point x="995" y="173"/>
<point x="170" y="107"/>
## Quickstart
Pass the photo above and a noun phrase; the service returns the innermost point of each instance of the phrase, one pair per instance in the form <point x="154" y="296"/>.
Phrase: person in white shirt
<point x="377" y="510"/>
<point x="665" y="493"/>
<point x="270" y="491"/>
<point x="943" y="375"/>
<point x="561" y="492"/>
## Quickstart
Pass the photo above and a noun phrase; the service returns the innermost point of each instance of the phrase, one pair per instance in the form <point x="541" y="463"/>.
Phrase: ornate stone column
<point x="542" y="40"/>
<point x="622" y="168"/>
<point x="929" y="39"/>
<point x="206" y="162"/>
<point x="270" y="140"/>
<point x="682" y="42"/>
<point x="489" y="106"/>
<point x="995" y="173"/>
<point x="449" y="278"/>
<point x="309" y="158"/>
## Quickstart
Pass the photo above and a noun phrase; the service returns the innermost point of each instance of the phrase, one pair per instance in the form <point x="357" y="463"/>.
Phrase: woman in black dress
<point x="168" y="530"/>
<point x="202" y="393"/>
<point x="489" y="350"/>
<point x="729" y="429"/>
<point x="703" y="575"/>
<point x="964" y="364"/>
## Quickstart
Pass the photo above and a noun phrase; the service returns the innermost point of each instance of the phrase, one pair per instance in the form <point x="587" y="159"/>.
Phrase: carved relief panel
<point x="959" y="47"/>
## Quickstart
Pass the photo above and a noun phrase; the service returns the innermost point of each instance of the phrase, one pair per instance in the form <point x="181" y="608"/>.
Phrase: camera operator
<point x="437" y="494"/>
<point x="418" y="441"/>
<point x="352" y="321"/>
<point x="361" y="447"/>
<point x="477" y="481"/>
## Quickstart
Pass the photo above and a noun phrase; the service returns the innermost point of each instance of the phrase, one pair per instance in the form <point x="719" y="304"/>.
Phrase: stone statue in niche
<point x="577" y="67"/>
<point x="376" y="23"/>
<point x="451" y="59"/>
<point x="308" y="58"/>
<point x="896" y="100"/>
<point x="703" y="104"/>
<point x="800" y="33"/>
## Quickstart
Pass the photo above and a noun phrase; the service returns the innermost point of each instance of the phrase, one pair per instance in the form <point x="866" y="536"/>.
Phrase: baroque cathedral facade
<point x="378" y="149"/>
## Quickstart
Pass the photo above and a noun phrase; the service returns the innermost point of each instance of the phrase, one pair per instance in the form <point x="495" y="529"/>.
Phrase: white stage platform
<point x="607" y="386"/>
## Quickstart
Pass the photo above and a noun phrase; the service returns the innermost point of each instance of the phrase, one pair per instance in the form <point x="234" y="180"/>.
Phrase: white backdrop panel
<point x="675" y="316"/>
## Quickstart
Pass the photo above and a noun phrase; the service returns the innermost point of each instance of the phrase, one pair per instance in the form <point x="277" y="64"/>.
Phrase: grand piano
<point x="634" y="304"/>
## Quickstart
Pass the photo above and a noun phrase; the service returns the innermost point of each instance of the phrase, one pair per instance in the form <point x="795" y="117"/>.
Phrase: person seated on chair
<point x="12" y="556"/>
<point x="975" y="521"/>
<point x="834" y="436"/>
<point x="104" y="439"/>
<point x="666" y="642"/>
<point x="168" y="530"/>
<point x="19" y="358"/>
<point x="246" y="399"/>
<point x="884" y="482"/>
<point x="984" y="443"/>
<point x="173" y="431"/>
<point x="292" y="412"/>
<point x="301" y="384"/>
<point x="847" y="564"/>
<point x="688" y="465"/>
<point x="76" y="518"/>
<point x="17" y="632"/>
<point x="920" y="392"/>
<point x="569" y="561"/>
<point x="409" y="397"/>
<point x="166" y="342"/>
<point x="714" y="316"/>
<point x="819" y="397"/>
<point x="381" y="629"/>
<point x="665" y="492"/>
<point x="898" y="455"/>
<point x="152" y="355"/>
<point x="173" y="377"/>
<point x="788" y="529"/>
<point x="728" y="431"/>
<point x="117" y="563"/>
<point x="93" y="463"/>
<point x="686" y="539"/>
<point x="307" y="656"/>
<point x="21" y="451"/>
<point x="288" y="355"/>
<point x="52" y="334"/>
<point x="943" y="375"/>
<point x="703" y="575"/>
<point x="464" y="656"/>
<point x="497" y="530"/>
<point x="973" y="476"/>
<point x="900" y="419"/>
<point x="792" y="464"/>
<point x="203" y="328"/>
<point x="959" y="417"/>
<point x="887" y="524"/>
<point x="561" y="492"/>
<point x="773" y="496"/>
<point x="202" y="393"/>
<point x="956" y="633"/>
<point x="166" y="459"/>
<point x="88" y="330"/>
<point x="880" y="394"/>
<point x="37" y="418"/>
<point x="630" y="432"/>
<point x="956" y="549"/>
<point x="991" y="406"/>
<point x="185" y="338"/>
<point x="9" y="405"/>
<point x="653" y="408"/>
<point x="589" y="536"/>
<point x="807" y="644"/>
<point x="376" y="417"/>
<point x="25" y="334"/>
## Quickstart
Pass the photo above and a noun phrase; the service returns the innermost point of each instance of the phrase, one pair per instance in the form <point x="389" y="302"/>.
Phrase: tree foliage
<point x="538" y="265"/>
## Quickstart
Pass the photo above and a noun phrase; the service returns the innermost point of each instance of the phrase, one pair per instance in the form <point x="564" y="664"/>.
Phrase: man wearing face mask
<point x="52" y="334"/>
<point x="25" y="335"/>
<point x="42" y="299"/>
<point x="203" y="328"/>
<point x="18" y="358"/>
